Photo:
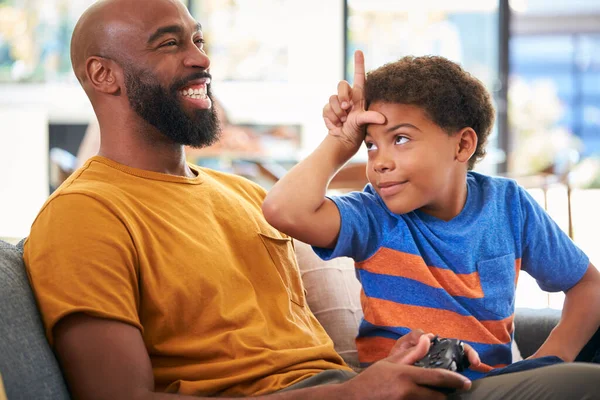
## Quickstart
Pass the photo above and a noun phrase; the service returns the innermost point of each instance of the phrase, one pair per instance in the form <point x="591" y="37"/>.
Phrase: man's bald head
<point x="88" y="36"/>
<point x="107" y="26"/>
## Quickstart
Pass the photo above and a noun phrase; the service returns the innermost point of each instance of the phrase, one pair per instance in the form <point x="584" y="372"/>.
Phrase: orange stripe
<point x="517" y="269"/>
<point x="372" y="349"/>
<point x="396" y="263"/>
<point x="440" y="322"/>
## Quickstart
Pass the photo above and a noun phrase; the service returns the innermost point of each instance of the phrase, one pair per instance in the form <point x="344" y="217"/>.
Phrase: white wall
<point x="316" y="58"/>
<point x="23" y="167"/>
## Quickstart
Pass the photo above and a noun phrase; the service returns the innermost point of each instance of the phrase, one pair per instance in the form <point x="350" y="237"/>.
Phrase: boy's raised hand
<point x="345" y="115"/>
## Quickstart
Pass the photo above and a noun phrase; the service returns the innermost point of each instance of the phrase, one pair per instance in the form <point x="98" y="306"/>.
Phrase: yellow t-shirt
<point x="191" y="262"/>
<point x="2" y="392"/>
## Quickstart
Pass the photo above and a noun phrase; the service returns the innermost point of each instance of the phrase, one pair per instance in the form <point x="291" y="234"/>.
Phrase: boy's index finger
<point x="359" y="69"/>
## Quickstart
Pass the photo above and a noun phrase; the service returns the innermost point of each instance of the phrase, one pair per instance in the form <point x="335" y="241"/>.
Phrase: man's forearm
<point x="325" y="392"/>
<point x="580" y="320"/>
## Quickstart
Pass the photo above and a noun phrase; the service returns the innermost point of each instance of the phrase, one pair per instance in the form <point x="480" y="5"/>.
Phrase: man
<point x="158" y="279"/>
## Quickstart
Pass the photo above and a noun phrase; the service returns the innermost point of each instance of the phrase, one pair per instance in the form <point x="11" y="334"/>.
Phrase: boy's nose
<point x="384" y="164"/>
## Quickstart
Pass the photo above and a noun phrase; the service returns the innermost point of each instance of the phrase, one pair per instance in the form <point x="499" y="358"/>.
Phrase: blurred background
<point x="276" y="62"/>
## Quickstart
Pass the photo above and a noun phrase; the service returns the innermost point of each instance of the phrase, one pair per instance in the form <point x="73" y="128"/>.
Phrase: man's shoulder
<point x="91" y="180"/>
<point x="92" y="185"/>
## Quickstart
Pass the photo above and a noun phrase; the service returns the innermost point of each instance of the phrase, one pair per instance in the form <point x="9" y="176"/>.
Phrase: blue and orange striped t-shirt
<point x="453" y="278"/>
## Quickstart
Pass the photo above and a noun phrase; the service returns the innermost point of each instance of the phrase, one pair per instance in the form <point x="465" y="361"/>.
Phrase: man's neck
<point x="148" y="150"/>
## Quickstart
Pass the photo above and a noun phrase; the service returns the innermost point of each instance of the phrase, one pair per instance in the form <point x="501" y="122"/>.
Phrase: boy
<point x="436" y="246"/>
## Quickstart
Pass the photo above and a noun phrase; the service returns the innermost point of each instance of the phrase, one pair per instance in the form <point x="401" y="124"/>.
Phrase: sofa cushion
<point x="533" y="327"/>
<point x="27" y="364"/>
<point x="333" y="295"/>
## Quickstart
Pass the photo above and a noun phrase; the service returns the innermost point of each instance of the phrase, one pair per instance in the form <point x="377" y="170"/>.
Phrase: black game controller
<point x="446" y="354"/>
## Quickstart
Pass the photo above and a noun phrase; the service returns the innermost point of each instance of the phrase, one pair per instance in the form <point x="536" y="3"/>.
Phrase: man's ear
<point x="103" y="75"/>
<point x="466" y="145"/>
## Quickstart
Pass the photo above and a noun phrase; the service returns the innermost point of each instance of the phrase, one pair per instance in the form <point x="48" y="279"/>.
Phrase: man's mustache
<point x="184" y="81"/>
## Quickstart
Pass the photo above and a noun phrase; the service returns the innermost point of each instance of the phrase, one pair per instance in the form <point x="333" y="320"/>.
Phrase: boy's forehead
<point x="396" y="112"/>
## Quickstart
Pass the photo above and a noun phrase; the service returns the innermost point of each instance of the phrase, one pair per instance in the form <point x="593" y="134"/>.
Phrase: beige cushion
<point x="333" y="295"/>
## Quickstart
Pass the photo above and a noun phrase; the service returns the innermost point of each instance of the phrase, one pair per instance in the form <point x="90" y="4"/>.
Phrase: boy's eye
<point x="402" y="140"/>
<point x="370" y="146"/>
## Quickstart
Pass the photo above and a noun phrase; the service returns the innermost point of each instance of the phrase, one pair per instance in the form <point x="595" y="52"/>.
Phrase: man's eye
<point x="199" y="42"/>
<point x="169" y="43"/>
<point x="402" y="140"/>
<point x="370" y="146"/>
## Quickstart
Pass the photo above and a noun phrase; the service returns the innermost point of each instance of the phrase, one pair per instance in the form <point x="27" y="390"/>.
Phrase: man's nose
<point x="196" y="58"/>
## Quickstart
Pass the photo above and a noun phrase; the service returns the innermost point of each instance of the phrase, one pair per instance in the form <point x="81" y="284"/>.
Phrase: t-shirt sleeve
<point x="80" y="258"/>
<point x="548" y="254"/>
<point x="360" y="231"/>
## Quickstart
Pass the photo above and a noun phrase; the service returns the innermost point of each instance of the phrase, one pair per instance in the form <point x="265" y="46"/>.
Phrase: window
<point x="571" y="62"/>
<point x="464" y="31"/>
<point x="35" y="37"/>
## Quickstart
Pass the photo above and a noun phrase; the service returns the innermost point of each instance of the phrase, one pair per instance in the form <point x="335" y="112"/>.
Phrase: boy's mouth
<point x="390" y="188"/>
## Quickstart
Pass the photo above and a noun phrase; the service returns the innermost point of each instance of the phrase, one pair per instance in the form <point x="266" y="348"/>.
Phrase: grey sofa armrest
<point x="532" y="327"/>
<point x="28" y="366"/>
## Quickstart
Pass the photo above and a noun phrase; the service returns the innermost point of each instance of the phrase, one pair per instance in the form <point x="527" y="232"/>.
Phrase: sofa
<point x="30" y="370"/>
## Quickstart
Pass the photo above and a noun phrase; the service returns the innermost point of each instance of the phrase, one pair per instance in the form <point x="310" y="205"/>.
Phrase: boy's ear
<point x="103" y="75"/>
<point x="467" y="144"/>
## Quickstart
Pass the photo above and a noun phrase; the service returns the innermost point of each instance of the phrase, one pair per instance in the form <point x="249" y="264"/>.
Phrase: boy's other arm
<point x="297" y="205"/>
<point x="579" y="321"/>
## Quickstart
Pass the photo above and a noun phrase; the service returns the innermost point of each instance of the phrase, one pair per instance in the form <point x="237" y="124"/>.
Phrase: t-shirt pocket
<point x="497" y="277"/>
<point x="283" y="256"/>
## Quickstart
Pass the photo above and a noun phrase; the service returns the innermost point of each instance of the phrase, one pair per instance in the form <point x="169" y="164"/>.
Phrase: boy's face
<point x="412" y="161"/>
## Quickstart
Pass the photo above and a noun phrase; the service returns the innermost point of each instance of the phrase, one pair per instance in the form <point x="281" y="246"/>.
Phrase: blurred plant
<point x="586" y="174"/>
<point x="541" y="144"/>
<point x="534" y="111"/>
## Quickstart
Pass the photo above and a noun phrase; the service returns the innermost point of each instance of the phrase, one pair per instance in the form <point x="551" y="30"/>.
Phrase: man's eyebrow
<point x="170" y="29"/>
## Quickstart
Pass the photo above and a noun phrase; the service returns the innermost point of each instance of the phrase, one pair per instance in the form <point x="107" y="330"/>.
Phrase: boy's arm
<point x="297" y="205"/>
<point x="579" y="321"/>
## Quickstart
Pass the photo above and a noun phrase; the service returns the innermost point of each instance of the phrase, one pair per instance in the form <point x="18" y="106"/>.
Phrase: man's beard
<point x="163" y="109"/>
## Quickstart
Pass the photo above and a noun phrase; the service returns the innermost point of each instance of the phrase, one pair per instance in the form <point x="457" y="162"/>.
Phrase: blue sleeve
<point x="548" y="254"/>
<point x="360" y="227"/>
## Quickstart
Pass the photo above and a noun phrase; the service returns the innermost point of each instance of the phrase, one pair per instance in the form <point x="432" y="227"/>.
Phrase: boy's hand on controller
<point x="412" y="338"/>
<point x="409" y="341"/>
<point x="395" y="377"/>
<point x="345" y="115"/>
<point x="474" y="359"/>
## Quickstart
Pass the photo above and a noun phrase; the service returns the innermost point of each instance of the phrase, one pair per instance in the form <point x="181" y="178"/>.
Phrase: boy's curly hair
<point x="450" y="96"/>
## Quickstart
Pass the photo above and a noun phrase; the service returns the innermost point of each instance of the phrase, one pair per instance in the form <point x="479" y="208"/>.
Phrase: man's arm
<point x="579" y="321"/>
<point x="105" y="359"/>
<point x="297" y="205"/>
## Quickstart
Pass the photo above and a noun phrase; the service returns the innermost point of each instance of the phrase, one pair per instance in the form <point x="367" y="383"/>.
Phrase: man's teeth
<point x="194" y="93"/>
